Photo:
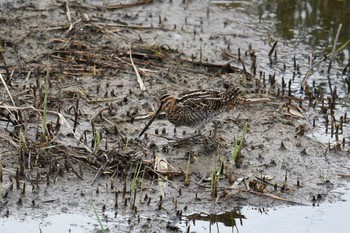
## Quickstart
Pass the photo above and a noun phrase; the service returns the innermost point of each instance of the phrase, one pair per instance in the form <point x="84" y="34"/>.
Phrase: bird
<point x="195" y="108"/>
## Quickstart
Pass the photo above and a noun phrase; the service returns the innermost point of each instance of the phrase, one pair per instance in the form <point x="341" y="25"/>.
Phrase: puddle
<point x="198" y="31"/>
<point x="55" y="223"/>
<point x="320" y="218"/>
<point x="329" y="217"/>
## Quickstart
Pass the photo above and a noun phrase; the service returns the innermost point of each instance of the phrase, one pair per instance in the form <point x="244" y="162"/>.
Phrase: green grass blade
<point x="239" y="143"/>
<point x="134" y="180"/>
<point x="98" y="218"/>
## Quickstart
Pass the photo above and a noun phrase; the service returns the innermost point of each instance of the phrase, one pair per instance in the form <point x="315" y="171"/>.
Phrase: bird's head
<point x="167" y="102"/>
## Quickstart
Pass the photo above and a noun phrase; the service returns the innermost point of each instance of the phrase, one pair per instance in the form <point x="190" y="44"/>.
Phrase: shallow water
<point x="55" y="223"/>
<point x="300" y="27"/>
<point x="327" y="217"/>
<point x="322" y="218"/>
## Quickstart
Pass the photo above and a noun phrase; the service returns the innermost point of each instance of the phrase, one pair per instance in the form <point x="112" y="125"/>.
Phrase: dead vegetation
<point x="75" y="101"/>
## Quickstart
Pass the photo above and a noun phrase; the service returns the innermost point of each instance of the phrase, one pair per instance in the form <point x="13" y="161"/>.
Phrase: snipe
<point x="196" y="107"/>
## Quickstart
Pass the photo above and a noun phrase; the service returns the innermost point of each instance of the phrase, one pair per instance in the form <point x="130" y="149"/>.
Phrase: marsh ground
<point x="79" y="60"/>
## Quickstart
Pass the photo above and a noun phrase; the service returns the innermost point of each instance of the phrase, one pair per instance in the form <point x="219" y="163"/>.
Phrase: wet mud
<point x="81" y="80"/>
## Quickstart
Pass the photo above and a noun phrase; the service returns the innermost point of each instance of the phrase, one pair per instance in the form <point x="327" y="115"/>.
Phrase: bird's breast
<point x="192" y="118"/>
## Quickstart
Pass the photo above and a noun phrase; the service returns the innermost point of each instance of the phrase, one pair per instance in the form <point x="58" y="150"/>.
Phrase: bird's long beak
<point x="153" y="118"/>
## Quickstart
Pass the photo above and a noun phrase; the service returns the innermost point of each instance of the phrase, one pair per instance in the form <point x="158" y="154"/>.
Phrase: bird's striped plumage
<point x="196" y="107"/>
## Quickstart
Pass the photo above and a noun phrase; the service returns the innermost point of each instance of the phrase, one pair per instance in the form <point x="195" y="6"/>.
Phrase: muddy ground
<point x="81" y="64"/>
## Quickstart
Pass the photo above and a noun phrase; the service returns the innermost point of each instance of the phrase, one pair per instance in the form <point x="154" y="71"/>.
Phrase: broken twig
<point x="139" y="80"/>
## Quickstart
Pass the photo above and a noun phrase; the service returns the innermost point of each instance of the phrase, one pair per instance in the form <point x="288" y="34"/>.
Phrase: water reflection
<point x="229" y="219"/>
<point x="313" y="22"/>
<point x="323" y="218"/>
<point x="199" y="222"/>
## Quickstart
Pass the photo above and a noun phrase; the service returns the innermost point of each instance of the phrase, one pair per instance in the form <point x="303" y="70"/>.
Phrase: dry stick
<point x="273" y="48"/>
<point x="310" y="71"/>
<point x="139" y="80"/>
<point x="254" y="101"/>
<point x="334" y="47"/>
<point x="200" y="53"/>
<point x="93" y="101"/>
<point x="5" y="137"/>
<point x="244" y="70"/>
<point x="98" y="172"/>
<point x="347" y="65"/>
<point x="74" y="171"/>
<point x="1" y="175"/>
<point x="62" y="118"/>
<point x="49" y="29"/>
<point x="71" y="25"/>
<point x="76" y="112"/>
<point x="273" y="197"/>
<point x="332" y="58"/>
<point x="8" y="91"/>
<point x="310" y="61"/>
<point x="28" y="75"/>
<point x="120" y="6"/>
<point x="68" y="17"/>
<point x="136" y="27"/>
<point x="9" y="188"/>
<point x="102" y="28"/>
<point x="4" y="61"/>
<point x="68" y="11"/>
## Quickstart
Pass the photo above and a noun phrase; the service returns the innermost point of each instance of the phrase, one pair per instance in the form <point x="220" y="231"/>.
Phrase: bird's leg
<point x="214" y="137"/>
<point x="187" y="139"/>
<point x="196" y="134"/>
